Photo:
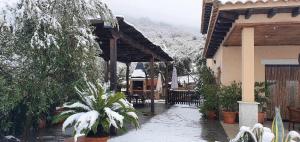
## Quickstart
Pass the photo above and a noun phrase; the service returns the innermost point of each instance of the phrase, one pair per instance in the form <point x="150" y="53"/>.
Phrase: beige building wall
<point x="229" y="60"/>
<point x="216" y="61"/>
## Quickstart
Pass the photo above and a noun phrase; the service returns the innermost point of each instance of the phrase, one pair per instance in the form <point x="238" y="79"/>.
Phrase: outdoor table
<point x="136" y="97"/>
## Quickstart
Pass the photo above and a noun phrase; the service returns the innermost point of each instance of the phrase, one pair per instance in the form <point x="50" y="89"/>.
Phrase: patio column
<point x="248" y="108"/>
<point x="113" y="64"/>
<point x="106" y="70"/>
<point x="127" y="82"/>
<point x="152" y="83"/>
<point x="166" y="83"/>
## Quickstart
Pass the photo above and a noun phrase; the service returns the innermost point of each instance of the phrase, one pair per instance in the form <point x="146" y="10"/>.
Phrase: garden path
<point x="180" y="123"/>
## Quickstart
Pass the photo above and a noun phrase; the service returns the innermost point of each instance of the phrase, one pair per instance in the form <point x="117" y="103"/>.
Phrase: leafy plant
<point x="210" y="102"/>
<point x="96" y="111"/>
<point x="277" y="126"/>
<point x="47" y="46"/>
<point x="263" y="134"/>
<point x="10" y="98"/>
<point x="262" y="95"/>
<point x="207" y="87"/>
<point x="257" y="134"/>
<point x="229" y="96"/>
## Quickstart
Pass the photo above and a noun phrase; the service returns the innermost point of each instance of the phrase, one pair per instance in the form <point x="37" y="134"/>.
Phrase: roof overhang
<point x="223" y="16"/>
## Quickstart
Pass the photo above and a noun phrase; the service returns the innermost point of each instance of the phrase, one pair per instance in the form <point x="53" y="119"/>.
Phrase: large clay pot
<point x="42" y="123"/>
<point x="211" y="115"/>
<point x="261" y="117"/>
<point x="88" y="139"/>
<point x="229" y="117"/>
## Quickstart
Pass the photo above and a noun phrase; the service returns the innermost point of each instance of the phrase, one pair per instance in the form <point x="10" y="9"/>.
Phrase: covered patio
<point x="126" y="44"/>
<point x="252" y="42"/>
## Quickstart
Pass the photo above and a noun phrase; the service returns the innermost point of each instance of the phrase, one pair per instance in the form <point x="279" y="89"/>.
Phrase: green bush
<point x="207" y="87"/>
<point x="9" y="99"/>
<point x="210" y="102"/>
<point x="229" y="97"/>
<point x="262" y="95"/>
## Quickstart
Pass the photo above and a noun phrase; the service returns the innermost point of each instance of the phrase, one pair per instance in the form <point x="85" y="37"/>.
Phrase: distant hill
<point x="178" y="42"/>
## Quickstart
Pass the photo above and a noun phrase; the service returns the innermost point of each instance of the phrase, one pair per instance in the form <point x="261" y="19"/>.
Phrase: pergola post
<point x="106" y="71"/>
<point x="248" y="108"/>
<point x="127" y="82"/>
<point x="152" y="83"/>
<point x="166" y="83"/>
<point x="113" y="64"/>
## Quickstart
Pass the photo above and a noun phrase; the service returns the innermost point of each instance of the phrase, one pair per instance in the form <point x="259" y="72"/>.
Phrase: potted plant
<point x="262" y="97"/>
<point x="208" y="88"/>
<point x="210" y="105"/>
<point x="95" y="112"/>
<point x="228" y="98"/>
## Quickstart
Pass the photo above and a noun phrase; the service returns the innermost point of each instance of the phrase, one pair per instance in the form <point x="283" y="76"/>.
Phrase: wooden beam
<point x="295" y="12"/>
<point x="106" y="66"/>
<point x="248" y="13"/>
<point x="166" y="82"/>
<point x="272" y="12"/>
<point x="227" y="15"/>
<point x="137" y="45"/>
<point x="113" y="64"/>
<point x="127" y="82"/>
<point x="152" y="83"/>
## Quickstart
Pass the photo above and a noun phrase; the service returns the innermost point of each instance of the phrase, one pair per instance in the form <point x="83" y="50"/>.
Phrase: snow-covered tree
<point x="50" y="46"/>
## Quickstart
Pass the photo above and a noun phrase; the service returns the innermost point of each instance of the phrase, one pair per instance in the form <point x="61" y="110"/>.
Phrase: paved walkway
<point x="180" y="123"/>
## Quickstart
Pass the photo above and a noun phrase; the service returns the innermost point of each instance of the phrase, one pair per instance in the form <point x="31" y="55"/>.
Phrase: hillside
<point x="178" y="42"/>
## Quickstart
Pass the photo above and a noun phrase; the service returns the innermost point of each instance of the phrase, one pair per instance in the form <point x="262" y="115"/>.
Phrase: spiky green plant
<point x="277" y="126"/>
<point x="263" y="134"/>
<point x="96" y="111"/>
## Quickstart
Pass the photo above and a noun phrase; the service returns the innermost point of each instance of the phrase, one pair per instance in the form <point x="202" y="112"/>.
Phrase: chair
<point x="294" y="116"/>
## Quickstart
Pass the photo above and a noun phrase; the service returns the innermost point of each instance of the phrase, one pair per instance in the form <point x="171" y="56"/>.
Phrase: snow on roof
<point x="245" y="1"/>
<point x="186" y="79"/>
<point x="138" y="73"/>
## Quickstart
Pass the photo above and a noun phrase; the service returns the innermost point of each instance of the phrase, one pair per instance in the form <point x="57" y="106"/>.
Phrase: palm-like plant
<point x="96" y="111"/>
<point x="263" y="134"/>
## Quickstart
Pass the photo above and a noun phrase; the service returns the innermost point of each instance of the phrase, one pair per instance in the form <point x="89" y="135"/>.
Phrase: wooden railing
<point x="183" y="97"/>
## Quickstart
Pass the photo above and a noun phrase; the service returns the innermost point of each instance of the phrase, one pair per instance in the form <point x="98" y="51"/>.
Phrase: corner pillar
<point x="127" y="82"/>
<point x="113" y="64"/>
<point x="152" y="83"/>
<point x="248" y="108"/>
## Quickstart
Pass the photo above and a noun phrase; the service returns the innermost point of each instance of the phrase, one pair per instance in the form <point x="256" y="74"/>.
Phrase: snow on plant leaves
<point x="76" y="105"/>
<point x="114" y="117"/>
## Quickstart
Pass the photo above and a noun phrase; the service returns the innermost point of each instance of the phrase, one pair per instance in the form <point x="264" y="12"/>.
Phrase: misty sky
<point x="175" y="12"/>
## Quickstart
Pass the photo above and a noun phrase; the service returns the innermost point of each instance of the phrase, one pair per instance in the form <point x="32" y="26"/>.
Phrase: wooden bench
<point x="294" y="116"/>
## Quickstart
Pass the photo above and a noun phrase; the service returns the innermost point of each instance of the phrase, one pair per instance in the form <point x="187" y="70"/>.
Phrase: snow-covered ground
<point x="181" y="123"/>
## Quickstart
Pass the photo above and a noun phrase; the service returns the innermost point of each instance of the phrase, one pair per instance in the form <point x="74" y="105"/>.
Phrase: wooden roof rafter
<point x="132" y="45"/>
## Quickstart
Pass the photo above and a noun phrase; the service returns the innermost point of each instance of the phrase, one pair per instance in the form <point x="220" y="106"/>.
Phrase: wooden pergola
<point x="126" y="44"/>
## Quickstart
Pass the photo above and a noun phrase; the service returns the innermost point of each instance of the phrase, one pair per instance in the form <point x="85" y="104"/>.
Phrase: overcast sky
<point x="175" y="12"/>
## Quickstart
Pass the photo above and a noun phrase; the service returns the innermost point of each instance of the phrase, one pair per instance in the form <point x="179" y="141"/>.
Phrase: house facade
<point x="255" y="41"/>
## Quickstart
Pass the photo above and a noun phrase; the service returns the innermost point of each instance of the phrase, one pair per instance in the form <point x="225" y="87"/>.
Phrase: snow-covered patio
<point x="180" y="123"/>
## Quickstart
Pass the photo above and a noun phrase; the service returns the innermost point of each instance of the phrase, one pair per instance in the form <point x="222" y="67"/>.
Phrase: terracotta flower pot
<point x="57" y="112"/>
<point x="229" y="117"/>
<point x="88" y="139"/>
<point x="261" y="117"/>
<point x="211" y="115"/>
<point x="42" y="123"/>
